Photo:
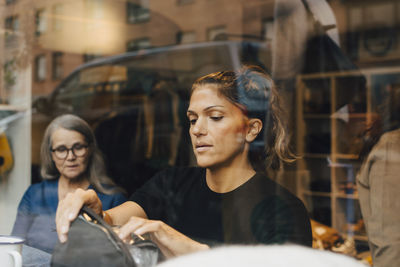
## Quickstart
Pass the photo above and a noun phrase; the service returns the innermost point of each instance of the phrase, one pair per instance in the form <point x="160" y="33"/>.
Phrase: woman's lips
<point x="72" y="166"/>
<point x="203" y="147"/>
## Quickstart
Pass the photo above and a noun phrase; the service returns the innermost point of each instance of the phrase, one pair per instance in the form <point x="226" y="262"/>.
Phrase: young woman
<point x="237" y="132"/>
<point x="70" y="160"/>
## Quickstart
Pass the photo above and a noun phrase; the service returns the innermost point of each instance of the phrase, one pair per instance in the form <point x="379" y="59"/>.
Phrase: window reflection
<point x="124" y="96"/>
<point x="41" y="22"/>
<point x="137" y="12"/>
<point x="40" y="68"/>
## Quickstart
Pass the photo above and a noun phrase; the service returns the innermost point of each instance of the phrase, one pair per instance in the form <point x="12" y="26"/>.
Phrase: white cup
<point x="10" y="251"/>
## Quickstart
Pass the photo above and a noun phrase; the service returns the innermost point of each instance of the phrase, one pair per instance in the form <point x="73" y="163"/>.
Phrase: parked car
<point x="136" y="104"/>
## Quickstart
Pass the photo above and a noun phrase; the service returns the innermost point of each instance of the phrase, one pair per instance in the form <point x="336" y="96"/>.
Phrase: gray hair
<point x="95" y="170"/>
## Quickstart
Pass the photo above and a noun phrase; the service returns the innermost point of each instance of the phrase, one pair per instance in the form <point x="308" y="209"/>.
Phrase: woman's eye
<point x="61" y="149"/>
<point x="192" y="121"/>
<point x="78" y="146"/>
<point x="216" y="118"/>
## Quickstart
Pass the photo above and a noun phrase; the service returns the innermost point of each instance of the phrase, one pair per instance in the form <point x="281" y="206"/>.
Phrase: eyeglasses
<point x="79" y="150"/>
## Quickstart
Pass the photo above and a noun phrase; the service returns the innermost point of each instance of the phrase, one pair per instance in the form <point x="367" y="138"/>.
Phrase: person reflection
<point x="70" y="160"/>
<point x="294" y="29"/>
<point x="378" y="185"/>
<point x="228" y="198"/>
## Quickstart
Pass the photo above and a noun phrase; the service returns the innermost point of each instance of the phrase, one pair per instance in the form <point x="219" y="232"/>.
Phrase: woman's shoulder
<point x="273" y="188"/>
<point x="389" y="141"/>
<point x="39" y="196"/>
<point x="41" y="186"/>
<point x="391" y="136"/>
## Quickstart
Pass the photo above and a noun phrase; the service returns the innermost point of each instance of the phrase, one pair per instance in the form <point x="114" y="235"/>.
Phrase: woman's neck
<point x="226" y="179"/>
<point x="66" y="185"/>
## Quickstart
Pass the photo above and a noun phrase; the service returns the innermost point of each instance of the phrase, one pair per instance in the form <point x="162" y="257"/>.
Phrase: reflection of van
<point x="136" y="104"/>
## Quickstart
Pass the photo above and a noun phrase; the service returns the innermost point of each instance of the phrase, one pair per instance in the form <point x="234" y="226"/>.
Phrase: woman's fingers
<point x="68" y="209"/>
<point x="65" y="215"/>
<point x="170" y="241"/>
<point x="137" y="226"/>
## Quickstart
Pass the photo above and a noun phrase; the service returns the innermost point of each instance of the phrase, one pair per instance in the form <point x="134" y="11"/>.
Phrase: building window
<point x="9" y="74"/>
<point x="41" y="22"/>
<point x="57" y="64"/>
<point x="11" y="25"/>
<point x="40" y="68"/>
<point x="137" y="12"/>
<point x="94" y="14"/>
<point x="95" y="9"/>
<point x="267" y="31"/>
<point x="58" y="17"/>
<point x="216" y="33"/>
<point x="90" y="57"/>
<point x="185" y="37"/>
<point x="138" y="44"/>
<point x="182" y="2"/>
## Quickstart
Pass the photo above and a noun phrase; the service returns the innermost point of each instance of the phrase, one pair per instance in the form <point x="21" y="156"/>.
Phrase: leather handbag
<point x="93" y="242"/>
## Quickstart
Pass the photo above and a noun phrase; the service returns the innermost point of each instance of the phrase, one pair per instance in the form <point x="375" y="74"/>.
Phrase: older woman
<point x="70" y="160"/>
<point x="228" y="198"/>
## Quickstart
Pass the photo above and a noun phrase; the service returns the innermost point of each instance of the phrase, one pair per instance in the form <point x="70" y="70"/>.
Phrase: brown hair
<point x="253" y="90"/>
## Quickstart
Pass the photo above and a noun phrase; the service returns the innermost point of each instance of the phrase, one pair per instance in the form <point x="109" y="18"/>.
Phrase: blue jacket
<point x="35" y="220"/>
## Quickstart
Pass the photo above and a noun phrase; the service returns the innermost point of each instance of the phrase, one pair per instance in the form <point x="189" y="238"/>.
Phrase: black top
<point x="259" y="211"/>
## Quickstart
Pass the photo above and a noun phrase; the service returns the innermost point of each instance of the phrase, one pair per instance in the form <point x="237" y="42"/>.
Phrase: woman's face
<point x="217" y="129"/>
<point x="73" y="145"/>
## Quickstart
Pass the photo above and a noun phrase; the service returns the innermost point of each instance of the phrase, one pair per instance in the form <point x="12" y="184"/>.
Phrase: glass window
<point x="10" y="76"/>
<point x="185" y="37"/>
<point x="138" y="44"/>
<point x="40" y="68"/>
<point x="90" y="57"/>
<point x="12" y="23"/>
<point x="58" y="17"/>
<point x="12" y="27"/>
<point x="57" y="65"/>
<point x="41" y="22"/>
<point x="94" y="13"/>
<point x="127" y="68"/>
<point x="268" y="29"/>
<point x="214" y="33"/>
<point x="95" y="9"/>
<point x="137" y="12"/>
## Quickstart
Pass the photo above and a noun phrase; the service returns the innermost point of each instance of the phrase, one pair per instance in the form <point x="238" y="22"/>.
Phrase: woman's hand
<point x="171" y="242"/>
<point x="68" y="209"/>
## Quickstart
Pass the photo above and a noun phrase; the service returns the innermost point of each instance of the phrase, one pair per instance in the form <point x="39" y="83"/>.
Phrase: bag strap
<point x="94" y="216"/>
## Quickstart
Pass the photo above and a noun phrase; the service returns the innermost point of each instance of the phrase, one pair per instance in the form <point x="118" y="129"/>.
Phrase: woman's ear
<point x="255" y="126"/>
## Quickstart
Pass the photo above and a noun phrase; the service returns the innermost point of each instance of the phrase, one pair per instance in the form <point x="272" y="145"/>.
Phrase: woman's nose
<point x="200" y="127"/>
<point x="70" y="155"/>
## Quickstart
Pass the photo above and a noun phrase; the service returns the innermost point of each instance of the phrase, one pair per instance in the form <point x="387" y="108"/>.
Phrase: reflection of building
<point x="63" y="34"/>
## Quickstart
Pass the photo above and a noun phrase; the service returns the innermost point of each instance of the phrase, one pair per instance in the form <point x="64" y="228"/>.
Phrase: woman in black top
<point x="237" y="132"/>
